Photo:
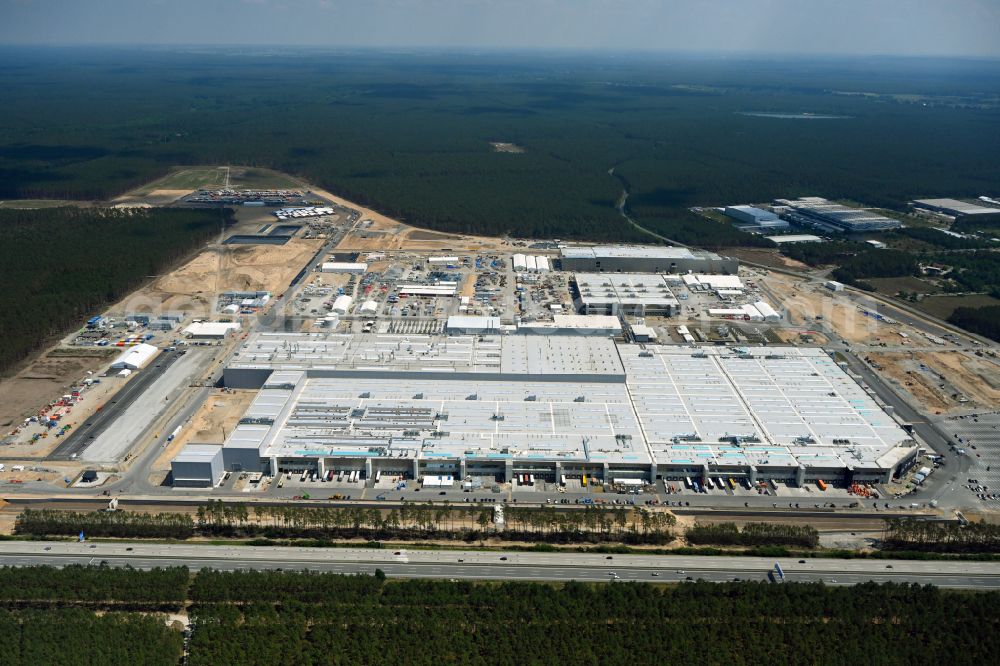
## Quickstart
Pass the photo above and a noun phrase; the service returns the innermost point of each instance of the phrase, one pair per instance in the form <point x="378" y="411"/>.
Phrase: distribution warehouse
<point x="553" y="406"/>
<point x="625" y="259"/>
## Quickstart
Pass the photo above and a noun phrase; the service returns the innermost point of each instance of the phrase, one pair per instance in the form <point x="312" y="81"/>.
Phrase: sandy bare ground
<point x="192" y="287"/>
<point x="973" y="377"/>
<point x="902" y="370"/>
<point x="978" y="379"/>
<point x="43" y="380"/>
<point x="804" y="302"/>
<point x="215" y="418"/>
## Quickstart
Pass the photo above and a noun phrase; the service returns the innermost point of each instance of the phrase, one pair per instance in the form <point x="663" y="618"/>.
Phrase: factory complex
<point x="833" y="217"/>
<point x="955" y="209"/>
<point x="553" y="407"/>
<point x="628" y="259"/>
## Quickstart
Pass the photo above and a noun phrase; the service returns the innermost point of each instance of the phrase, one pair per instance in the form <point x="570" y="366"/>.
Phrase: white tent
<point x="135" y="357"/>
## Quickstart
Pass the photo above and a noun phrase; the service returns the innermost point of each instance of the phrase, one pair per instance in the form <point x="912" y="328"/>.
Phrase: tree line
<point x="922" y="535"/>
<point x="303" y="618"/>
<point x="409" y="521"/>
<point x="61" y="265"/>
<point x="291" y="617"/>
<point x="93" y="587"/>
<point x="753" y="534"/>
<point x="120" y="524"/>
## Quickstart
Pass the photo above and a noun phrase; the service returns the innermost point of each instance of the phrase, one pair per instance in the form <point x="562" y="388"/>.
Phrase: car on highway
<point x="655" y="574"/>
<point x="503" y="557"/>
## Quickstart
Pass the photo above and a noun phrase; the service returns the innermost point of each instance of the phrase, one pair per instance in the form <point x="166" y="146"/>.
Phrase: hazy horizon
<point x="765" y="28"/>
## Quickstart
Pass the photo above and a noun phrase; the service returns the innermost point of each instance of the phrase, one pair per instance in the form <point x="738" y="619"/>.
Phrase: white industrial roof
<point x="135" y="357"/>
<point x="625" y="288"/>
<point x="795" y="238"/>
<point x="959" y="206"/>
<point x="211" y="328"/>
<point x="466" y="322"/>
<point x="198" y="453"/>
<point x="570" y="398"/>
<point x="345" y="266"/>
<point x="624" y="251"/>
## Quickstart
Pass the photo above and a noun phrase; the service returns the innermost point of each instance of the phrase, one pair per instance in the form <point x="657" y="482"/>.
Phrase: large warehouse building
<point x="554" y="406"/>
<point x="627" y="259"/>
<point x="834" y="217"/>
<point x="633" y="294"/>
<point x="958" y="209"/>
<point x="755" y="219"/>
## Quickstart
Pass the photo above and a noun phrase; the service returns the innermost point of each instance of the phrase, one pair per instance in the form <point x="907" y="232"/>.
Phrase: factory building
<point x="460" y="406"/>
<point x="473" y="325"/>
<point x="344" y="267"/>
<point x="755" y="219"/>
<point x="197" y="466"/>
<point x="629" y="259"/>
<point x="634" y="294"/>
<point x="575" y="324"/>
<point x="135" y="357"/>
<point x="794" y="238"/>
<point x="210" y="330"/>
<point x="835" y="218"/>
<point x="958" y="209"/>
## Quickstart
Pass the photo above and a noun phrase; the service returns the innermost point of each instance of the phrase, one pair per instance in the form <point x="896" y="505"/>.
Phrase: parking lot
<point x="978" y="436"/>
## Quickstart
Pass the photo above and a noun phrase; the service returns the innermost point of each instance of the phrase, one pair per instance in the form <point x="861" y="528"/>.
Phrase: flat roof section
<point x="440" y="418"/>
<point x="539" y="355"/>
<point x="956" y="206"/>
<point x="626" y="252"/>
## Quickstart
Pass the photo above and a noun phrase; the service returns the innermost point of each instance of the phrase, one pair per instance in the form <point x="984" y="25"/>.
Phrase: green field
<point x="942" y="306"/>
<point x="905" y="284"/>
<point x="186" y="178"/>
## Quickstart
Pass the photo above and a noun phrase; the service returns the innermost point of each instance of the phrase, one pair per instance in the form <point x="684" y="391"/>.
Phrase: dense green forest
<point x="255" y="618"/>
<point x="855" y="261"/>
<point x="410" y="133"/>
<point x="984" y="321"/>
<point x="71" y="636"/>
<point x="74" y="615"/>
<point x="261" y="617"/>
<point x="94" y="587"/>
<point x="62" y="264"/>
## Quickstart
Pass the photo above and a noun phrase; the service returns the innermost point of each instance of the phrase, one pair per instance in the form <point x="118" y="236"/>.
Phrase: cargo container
<point x="822" y="484"/>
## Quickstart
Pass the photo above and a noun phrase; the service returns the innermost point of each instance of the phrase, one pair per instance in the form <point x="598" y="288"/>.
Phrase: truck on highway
<point x="174" y="434"/>
<point x="779" y="575"/>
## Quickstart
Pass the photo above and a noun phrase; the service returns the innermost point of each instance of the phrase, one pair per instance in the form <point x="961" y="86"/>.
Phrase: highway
<point x="496" y="565"/>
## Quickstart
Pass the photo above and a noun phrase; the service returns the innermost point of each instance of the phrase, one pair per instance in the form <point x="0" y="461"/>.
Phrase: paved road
<point x="85" y="435"/>
<point x="500" y="565"/>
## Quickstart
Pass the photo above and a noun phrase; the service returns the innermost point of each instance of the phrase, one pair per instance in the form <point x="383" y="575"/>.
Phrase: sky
<point x="839" y="27"/>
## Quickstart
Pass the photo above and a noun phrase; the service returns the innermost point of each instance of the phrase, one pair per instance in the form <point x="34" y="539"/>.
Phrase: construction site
<point x="362" y="358"/>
